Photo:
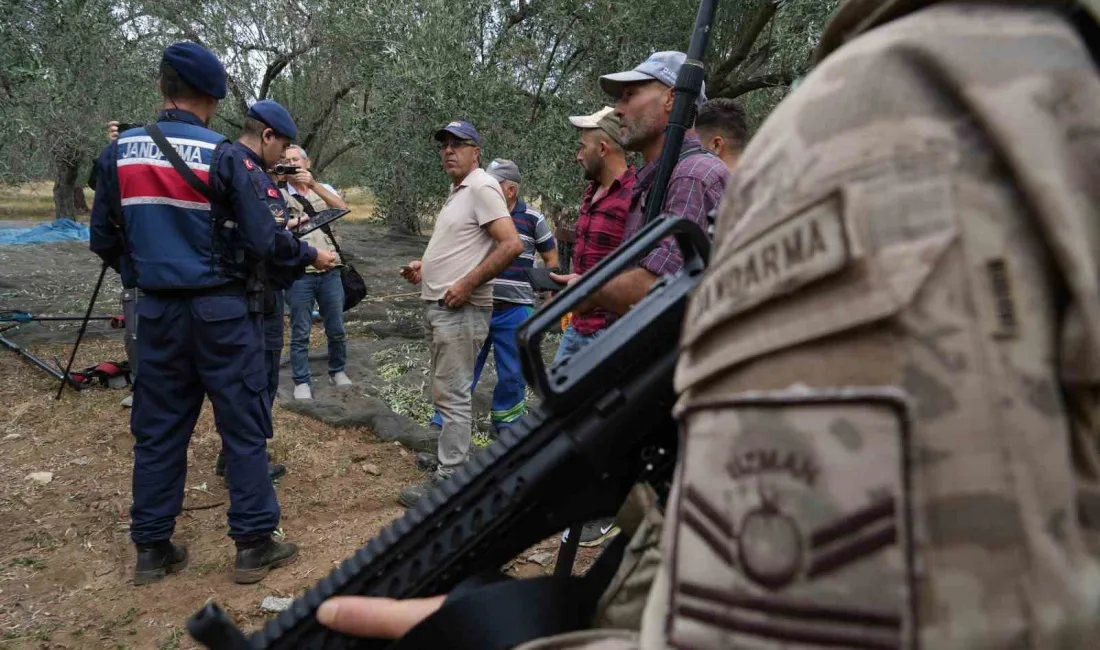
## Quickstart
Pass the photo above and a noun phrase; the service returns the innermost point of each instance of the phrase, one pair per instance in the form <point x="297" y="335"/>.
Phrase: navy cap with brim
<point x="460" y="129"/>
<point x="272" y="113"/>
<point x="197" y="66"/>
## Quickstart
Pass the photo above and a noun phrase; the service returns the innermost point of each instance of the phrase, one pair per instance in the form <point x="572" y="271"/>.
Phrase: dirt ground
<point x="65" y="556"/>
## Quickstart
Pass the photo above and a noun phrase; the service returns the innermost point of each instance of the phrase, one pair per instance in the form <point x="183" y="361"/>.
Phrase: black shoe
<point x="276" y="470"/>
<point x="154" y="561"/>
<point x="421" y="438"/>
<point x="595" y="533"/>
<point x="413" y="494"/>
<point x="427" y="461"/>
<point x="253" y="564"/>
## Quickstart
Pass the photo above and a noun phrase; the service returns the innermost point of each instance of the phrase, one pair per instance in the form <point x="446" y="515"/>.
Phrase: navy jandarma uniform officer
<point x="195" y="260"/>
<point x="280" y="273"/>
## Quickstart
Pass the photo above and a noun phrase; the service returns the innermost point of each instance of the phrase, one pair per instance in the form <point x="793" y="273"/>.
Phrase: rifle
<point x="603" y="425"/>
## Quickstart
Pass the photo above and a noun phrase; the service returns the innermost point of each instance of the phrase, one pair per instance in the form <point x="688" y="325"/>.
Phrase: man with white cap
<point x="601" y="218"/>
<point x="644" y="104"/>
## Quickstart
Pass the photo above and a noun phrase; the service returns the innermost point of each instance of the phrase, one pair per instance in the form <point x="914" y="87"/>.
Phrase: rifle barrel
<point x="689" y="85"/>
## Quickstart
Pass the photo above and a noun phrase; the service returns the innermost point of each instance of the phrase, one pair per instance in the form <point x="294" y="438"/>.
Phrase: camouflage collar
<point x="855" y="17"/>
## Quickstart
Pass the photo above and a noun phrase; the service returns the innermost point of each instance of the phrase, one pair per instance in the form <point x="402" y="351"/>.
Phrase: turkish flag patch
<point x="272" y="192"/>
<point x="248" y="164"/>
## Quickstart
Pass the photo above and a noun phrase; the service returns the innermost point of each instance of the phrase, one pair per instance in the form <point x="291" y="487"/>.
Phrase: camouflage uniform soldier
<point x="890" y="374"/>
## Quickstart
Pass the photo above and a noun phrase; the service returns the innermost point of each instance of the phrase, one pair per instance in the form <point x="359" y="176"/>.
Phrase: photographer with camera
<point x="305" y="196"/>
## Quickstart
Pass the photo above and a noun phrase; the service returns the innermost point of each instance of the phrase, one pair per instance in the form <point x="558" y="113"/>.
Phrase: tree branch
<point x="745" y="41"/>
<point x="525" y="11"/>
<point x="235" y="88"/>
<point x="233" y="123"/>
<point x="347" y="146"/>
<point x="567" y="68"/>
<point x="280" y="63"/>
<point x="546" y="73"/>
<point x="773" y="80"/>
<point x="519" y="15"/>
<point x="330" y="107"/>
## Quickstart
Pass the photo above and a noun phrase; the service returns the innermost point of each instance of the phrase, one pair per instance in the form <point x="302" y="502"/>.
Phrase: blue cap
<point x="660" y="66"/>
<point x="272" y="113"/>
<point x="198" y="67"/>
<point x="461" y="129"/>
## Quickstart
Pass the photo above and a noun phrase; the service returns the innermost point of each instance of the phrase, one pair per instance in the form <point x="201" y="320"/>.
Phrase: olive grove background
<point x="368" y="81"/>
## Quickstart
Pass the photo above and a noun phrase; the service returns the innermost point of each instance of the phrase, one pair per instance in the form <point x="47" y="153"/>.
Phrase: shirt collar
<point x="255" y="157"/>
<point x="465" y="181"/>
<point x="180" y="115"/>
<point x="619" y="181"/>
<point x="521" y="207"/>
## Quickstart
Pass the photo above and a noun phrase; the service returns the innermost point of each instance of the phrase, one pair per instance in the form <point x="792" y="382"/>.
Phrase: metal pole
<point x="83" y="328"/>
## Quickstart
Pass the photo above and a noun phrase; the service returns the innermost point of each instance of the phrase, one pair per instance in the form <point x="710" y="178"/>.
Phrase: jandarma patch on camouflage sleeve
<point x="800" y="249"/>
<point x="793" y="523"/>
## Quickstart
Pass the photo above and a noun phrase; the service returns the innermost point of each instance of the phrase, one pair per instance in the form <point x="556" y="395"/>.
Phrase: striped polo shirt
<point x="512" y="285"/>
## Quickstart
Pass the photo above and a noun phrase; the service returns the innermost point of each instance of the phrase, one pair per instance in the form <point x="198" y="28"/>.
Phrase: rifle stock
<point x="604" y="424"/>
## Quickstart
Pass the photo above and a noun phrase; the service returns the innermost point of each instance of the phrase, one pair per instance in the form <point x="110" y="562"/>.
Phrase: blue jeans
<point x="327" y="289"/>
<point x="572" y="341"/>
<point x="509" y="395"/>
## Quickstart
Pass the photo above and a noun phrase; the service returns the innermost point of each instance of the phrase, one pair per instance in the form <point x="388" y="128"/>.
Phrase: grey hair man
<point x="305" y="196"/>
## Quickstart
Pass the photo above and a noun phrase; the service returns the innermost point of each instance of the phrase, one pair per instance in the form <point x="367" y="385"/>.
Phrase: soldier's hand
<point x="458" y="294"/>
<point x="325" y="260"/>
<point x="303" y="177"/>
<point x="298" y="221"/>
<point x="375" y="618"/>
<point x="112" y="130"/>
<point x="412" y="272"/>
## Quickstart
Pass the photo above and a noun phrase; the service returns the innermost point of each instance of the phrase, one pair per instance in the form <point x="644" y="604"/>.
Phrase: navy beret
<point x="198" y="67"/>
<point x="272" y="113"/>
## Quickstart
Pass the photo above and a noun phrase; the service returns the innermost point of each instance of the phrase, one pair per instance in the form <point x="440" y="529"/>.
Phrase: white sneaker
<point x="339" y="379"/>
<point x="303" y="391"/>
<point x="128" y="401"/>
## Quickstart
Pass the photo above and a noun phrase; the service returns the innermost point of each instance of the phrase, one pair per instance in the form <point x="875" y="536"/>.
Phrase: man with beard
<point x="601" y="218"/>
<point x="645" y="96"/>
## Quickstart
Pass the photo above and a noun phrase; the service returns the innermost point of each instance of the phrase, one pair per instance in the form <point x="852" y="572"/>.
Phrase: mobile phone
<point x="540" y="279"/>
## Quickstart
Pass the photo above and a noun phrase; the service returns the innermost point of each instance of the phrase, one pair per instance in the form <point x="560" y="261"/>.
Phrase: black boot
<point x="256" y="560"/>
<point x="427" y="461"/>
<point x="154" y="561"/>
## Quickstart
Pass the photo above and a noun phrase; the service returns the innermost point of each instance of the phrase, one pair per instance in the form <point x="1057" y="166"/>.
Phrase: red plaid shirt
<point x="600" y="225"/>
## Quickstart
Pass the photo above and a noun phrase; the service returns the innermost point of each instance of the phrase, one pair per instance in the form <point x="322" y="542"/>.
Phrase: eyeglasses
<point x="455" y="145"/>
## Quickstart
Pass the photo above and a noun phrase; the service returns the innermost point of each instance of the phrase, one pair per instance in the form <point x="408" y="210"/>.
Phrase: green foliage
<point x="369" y="82"/>
<point x="32" y="563"/>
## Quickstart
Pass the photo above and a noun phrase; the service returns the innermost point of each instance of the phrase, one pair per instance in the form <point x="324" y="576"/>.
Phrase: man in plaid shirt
<point x="602" y="216"/>
<point x="644" y="104"/>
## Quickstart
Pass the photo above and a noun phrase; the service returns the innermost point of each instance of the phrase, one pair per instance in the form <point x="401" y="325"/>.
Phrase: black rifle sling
<point x="684" y="155"/>
<point x="186" y="172"/>
<point x="523" y="610"/>
<point x="312" y="212"/>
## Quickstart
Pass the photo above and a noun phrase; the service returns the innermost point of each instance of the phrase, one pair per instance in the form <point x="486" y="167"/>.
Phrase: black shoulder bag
<point x="354" y="287"/>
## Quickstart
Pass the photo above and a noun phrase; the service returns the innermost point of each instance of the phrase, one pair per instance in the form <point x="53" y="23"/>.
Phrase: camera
<point x="283" y="170"/>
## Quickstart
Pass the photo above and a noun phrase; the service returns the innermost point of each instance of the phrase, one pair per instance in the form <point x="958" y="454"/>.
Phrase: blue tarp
<point x="58" y="230"/>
